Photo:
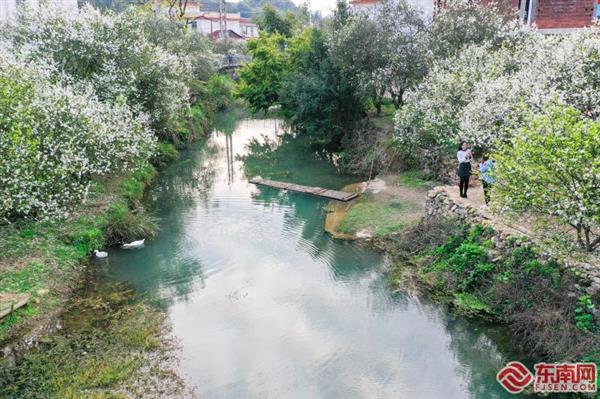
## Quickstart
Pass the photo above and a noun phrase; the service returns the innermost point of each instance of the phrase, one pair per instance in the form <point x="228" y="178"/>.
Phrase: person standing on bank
<point x="486" y="168"/>
<point x="464" y="167"/>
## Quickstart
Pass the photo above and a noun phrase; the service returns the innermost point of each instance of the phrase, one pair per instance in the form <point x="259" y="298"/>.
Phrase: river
<point x="266" y="305"/>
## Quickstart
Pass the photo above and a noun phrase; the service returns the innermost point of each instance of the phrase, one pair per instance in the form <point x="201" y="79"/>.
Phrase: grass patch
<point x="120" y="349"/>
<point x="470" y="304"/>
<point x="132" y="188"/>
<point x="165" y="153"/>
<point x="124" y="225"/>
<point x="47" y="255"/>
<point x="23" y="279"/>
<point x="379" y="217"/>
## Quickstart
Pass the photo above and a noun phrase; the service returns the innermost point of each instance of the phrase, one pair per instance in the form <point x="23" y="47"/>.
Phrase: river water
<point x="266" y="305"/>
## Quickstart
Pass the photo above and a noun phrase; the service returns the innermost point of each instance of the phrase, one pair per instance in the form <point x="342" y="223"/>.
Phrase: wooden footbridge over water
<point x="316" y="191"/>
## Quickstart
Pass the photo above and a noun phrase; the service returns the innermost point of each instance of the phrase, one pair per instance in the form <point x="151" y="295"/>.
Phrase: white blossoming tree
<point x="552" y="167"/>
<point x="484" y="93"/>
<point x="111" y="52"/>
<point x="431" y="119"/>
<point x="383" y="53"/>
<point x="53" y="140"/>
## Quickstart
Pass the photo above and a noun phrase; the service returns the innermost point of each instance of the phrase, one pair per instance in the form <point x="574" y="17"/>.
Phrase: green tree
<point x="271" y="22"/>
<point x="341" y="15"/>
<point x="359" y="49"/>
<point x="552" y="167"/>
<point x="260" y="80"/>
<point x="316" y="97"/>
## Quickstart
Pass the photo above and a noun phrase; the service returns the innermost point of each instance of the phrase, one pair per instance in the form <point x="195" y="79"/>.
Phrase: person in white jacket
<point x="464" y="156"/>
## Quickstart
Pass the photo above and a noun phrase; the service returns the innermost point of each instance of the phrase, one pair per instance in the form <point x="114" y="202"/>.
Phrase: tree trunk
<point x="590" y="243"/>
<point x="399" y="100"/>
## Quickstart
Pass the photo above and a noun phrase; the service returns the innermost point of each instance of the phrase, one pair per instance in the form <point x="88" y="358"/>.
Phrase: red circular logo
<point x="514" y="377"/>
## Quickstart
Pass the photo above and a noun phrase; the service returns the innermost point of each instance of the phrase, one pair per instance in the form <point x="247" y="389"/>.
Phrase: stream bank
<point x="485" y="267"/>
<point x="264" y="303"/>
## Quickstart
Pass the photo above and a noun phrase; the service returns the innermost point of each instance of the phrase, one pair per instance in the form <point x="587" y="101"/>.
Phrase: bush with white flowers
<point x="111" y="52"/>
<point x="53" y="140"/>
<point x="484" y="94"/>
<point x="434" y="110"/>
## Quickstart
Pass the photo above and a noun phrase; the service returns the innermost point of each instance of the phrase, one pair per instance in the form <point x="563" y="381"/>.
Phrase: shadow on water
<point x="291" y="158"/>
<point x="266" y="305"/>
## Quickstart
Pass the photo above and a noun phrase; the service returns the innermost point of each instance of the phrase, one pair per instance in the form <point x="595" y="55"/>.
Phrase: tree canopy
<point x="552" y="167"/>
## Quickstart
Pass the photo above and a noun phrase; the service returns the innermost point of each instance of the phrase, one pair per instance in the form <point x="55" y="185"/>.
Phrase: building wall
<point x="208" y="23"/>
<point x="249" y="30"/>
<point x="549" y="15"/>
<point x="559" y="14"/>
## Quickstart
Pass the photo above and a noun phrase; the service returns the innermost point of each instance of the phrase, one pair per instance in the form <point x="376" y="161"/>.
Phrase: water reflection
<point x="268" y="306"/>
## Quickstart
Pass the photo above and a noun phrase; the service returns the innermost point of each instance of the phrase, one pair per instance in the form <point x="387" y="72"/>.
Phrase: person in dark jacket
<point x="464" y="156"/>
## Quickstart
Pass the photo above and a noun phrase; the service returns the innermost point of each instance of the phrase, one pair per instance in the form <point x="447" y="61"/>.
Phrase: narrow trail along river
<point x="266" y="305"/>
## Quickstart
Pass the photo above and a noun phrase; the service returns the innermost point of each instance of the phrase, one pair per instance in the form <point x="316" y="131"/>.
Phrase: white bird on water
<point x="100" y="254"/>
<point x="134" y="244"/>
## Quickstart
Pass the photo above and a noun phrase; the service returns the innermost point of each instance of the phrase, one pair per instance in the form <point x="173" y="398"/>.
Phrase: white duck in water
<point x="100" y="254"/>
<point x="134" y="245"/>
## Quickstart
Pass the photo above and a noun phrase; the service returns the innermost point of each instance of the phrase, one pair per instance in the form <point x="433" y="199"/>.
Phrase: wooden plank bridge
<point x="11" y="302"/>
<point x="316" y="191"/>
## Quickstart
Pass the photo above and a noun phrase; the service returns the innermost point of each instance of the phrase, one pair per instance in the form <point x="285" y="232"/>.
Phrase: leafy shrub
<point x="123" y="225"/>
<point x="470" y="304"/>
<point x="584" y="313"/>
<point x="165" y="153"/>
<point x="220" y="89"/>
<point x="260" y="80"/>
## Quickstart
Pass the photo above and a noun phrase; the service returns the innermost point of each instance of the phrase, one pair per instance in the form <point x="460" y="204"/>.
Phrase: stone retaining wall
<point x="439" y="204"/>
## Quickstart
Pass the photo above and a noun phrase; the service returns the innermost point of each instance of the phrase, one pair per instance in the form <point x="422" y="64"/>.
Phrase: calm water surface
<point x="266" y="305"/>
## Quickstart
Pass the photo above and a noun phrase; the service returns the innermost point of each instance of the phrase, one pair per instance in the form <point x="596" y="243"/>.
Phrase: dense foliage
<point x="292" y="66"/>
<point x="366" y="59"/>
<point x="87" y="95"/>
<point x="55" y="139"/>
<point x="486" y="91"/>
<point x="260" y="80"/>
<point x="113" y="53"/>
<point x="383" y="54"/>
<point x="317" y="98"/>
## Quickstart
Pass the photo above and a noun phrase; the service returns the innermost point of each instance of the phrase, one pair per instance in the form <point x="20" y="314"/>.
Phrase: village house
<point x="209" y="23"/>
<point x="549" y="16"/>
